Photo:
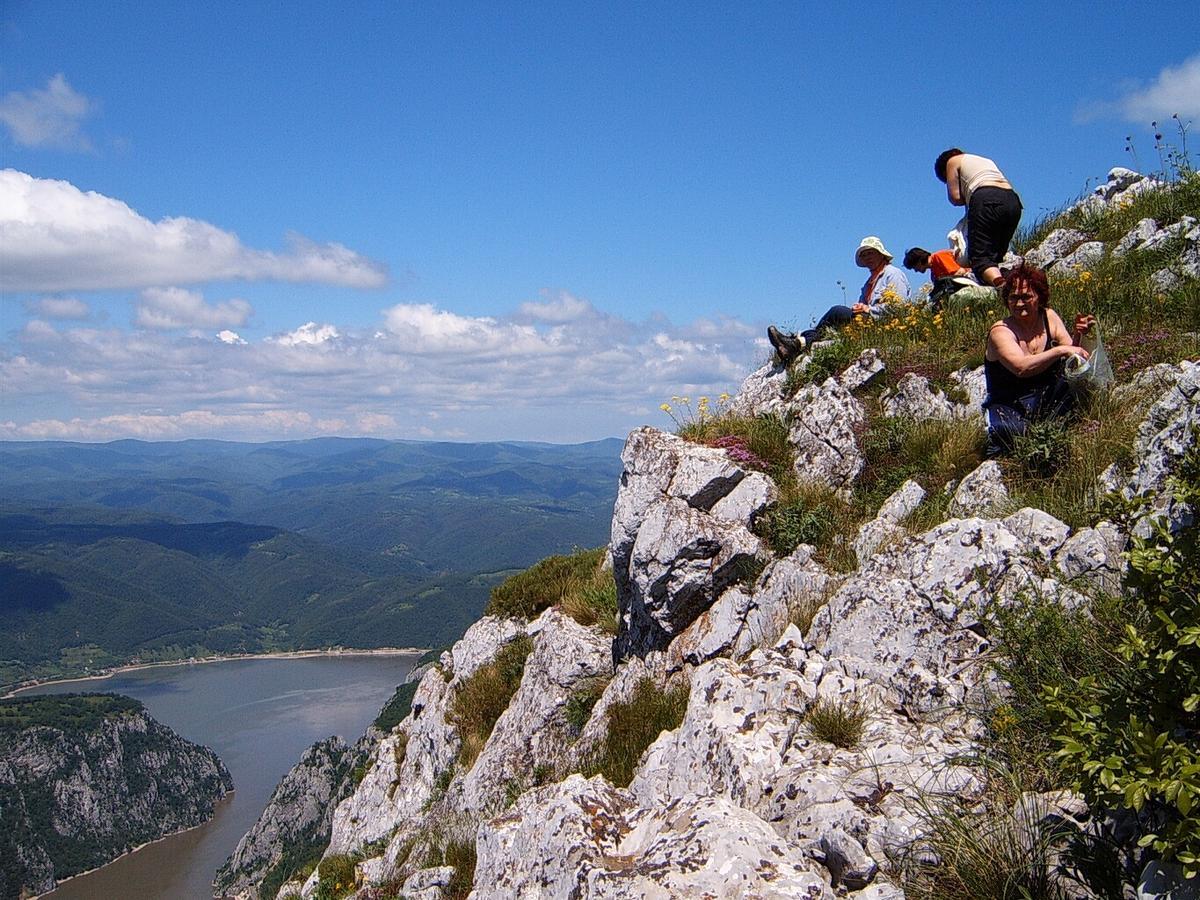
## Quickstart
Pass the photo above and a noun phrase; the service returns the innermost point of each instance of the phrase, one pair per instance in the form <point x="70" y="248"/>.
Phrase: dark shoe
<point x="787" y="346"/>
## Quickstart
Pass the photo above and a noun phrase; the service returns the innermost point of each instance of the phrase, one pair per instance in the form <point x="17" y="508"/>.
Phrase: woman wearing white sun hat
<point x="886" y="284"/>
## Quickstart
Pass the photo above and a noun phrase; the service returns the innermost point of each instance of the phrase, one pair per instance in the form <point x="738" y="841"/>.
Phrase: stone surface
<point x="679" y="535"/>
<point x="1136" y="236"/>
<point x="1040" y="530"/>
<point x="974" y="385"/>
<point x="1083" y="258"/>
<point x="762" y="392"/>
<point x="1055" y="246"/>
<point x="862" y="371"/>
<point x="913" y="398"/>
<point x="886" y="524"/>
<point x="824" y="419"/>
<point x="981" y="490"/>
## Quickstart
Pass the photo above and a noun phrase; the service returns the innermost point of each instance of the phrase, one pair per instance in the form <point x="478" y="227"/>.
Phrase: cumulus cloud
<point x="59" y="308"/>
<point x="423" y="372"/>
<point x="166" y="308"/>
<point x="47" y="117"/>
<point x="55" y="237"/>
<point x="1175" y="90"/>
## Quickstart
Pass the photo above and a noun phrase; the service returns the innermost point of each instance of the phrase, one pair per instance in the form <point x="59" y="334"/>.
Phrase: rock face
<point x="86" y="778"/>
<point x="297" y="819"/>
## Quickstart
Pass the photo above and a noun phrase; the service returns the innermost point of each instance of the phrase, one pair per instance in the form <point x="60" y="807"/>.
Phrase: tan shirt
<point x="978" y="171"/>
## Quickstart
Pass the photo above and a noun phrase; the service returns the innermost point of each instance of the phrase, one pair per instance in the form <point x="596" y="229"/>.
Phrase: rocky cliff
<point x="827" y="707"/>
<point x="85" y="778"/>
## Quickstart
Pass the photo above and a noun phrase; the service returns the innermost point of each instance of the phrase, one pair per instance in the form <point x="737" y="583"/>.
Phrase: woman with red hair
<point x="1023" y="365"/>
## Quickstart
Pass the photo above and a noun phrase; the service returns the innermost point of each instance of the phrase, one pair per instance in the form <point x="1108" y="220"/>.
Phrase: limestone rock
<point x="1093" y="554"/>
<point x="1039" y="530"/>
<point x="762" y="392"/>
<point x="681" y="561"/>
<point x="679" y="534"/>
<point x="533" y="732"/>
<point x="913" y="398"/>
<point x="1083" y="258"/>
<point x="862" y="371"/>
<point x="886" y="524"/>
<point x="824" y="419"/>
<point x="1136" y="236"/>
<point x="973" y="383"/>
<point x="846" y="860"/>
<point x="980" y="490"/>
<point x="1055" y="246"/>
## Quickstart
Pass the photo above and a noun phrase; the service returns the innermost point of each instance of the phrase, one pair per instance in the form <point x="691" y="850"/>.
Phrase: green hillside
<point x="136" y="551"/>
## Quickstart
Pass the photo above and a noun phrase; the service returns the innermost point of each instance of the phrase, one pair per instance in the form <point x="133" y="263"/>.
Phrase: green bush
<point x="1135" y="738"/>
<point x="760" y="443"/>
<point x="584" y="699"/>
<point x="822" y="363"/>
<point x="577" y="582"/>
<point x="484" y="696"/>
<point x="396" y="710"/>
<point x="633" y="726"/>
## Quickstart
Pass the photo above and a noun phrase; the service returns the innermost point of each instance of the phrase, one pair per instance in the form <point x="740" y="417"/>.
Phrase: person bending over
<point x="993" y="208"/>
<point x="1023" y="364"/>
<point x="885" y="284"/>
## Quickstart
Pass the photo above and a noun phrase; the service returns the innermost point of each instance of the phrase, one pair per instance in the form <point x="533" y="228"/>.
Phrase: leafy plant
<point x="1133" y="739"/>
<point x="484" y="696"/>
<point x="335" y="877"/>
<point x="635" y="724"/>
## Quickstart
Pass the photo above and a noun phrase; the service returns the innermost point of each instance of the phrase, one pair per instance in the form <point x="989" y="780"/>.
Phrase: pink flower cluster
<point x="739" y="451"/>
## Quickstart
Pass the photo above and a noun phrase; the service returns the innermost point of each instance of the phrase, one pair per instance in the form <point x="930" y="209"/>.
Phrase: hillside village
<point x="827" y="647"/>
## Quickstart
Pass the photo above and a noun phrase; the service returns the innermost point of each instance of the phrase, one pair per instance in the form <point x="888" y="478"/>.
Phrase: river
<point x="259" y="715"/>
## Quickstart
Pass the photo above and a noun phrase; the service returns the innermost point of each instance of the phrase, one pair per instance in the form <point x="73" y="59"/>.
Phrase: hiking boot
<point x="787" y="346"/>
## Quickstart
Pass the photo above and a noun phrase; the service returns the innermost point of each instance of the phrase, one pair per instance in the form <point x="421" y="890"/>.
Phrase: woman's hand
<point x="860" y="309"/>
<point x="1084" y="324"/>
<point x="1072" y="350"/>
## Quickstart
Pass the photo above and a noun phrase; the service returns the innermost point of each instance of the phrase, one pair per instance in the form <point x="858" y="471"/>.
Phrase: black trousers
<point x="835" y="317"/>
<point x="992" y="219"/>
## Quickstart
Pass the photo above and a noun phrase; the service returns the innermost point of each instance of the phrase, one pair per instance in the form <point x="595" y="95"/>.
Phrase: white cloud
<point x="47" y="117"/>
<point x="59" y="308"/>
<point x="428" y="372"/>
<point x="1175" y="90"/>
<point x="308" y="334"/>
<point x="55" y="237"/>
<point x="166" y="308"/>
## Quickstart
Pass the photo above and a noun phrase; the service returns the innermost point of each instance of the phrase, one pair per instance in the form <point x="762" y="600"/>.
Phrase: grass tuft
<point x="484" y="697"/>
<point x="578" y="583"/>
<point x="633" y="726"/>
<point x="839" y="722"/>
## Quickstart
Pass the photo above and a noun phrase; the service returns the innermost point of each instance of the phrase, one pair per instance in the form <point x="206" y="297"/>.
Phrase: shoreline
<point x="59" y="882"/>
<point x="216" y="658"/>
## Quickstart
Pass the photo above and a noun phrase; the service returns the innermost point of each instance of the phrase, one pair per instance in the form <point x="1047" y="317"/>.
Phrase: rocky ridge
<point x="75" y="797"/>
<point x="745" y="798"/>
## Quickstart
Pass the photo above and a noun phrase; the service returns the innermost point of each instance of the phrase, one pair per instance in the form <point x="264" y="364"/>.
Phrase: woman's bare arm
<point x="1004" y="346"/>
<point x="952" y="191"/>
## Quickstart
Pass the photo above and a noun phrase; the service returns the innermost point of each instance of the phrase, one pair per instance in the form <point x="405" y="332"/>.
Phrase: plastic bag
<point x="1093" y="372"/>
<point x="957" y="236"/>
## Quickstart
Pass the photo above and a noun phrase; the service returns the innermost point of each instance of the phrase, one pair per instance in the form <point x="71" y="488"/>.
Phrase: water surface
<point x="259" y="715"/>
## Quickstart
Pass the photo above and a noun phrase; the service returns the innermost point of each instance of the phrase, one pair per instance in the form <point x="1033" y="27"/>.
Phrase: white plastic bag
<point x="1093" y="372"/>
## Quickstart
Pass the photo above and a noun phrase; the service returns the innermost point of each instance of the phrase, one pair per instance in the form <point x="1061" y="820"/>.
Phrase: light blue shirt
<point x="890" y="277"/>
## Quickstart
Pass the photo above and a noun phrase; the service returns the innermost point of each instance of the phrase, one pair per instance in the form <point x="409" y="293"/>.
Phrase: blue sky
<point x="499" y="221"/>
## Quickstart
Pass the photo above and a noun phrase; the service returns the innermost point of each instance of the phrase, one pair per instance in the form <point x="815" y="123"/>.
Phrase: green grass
<point x="633" y="726"/>
<point x="583" y="700"/>
<point x="759" y="443"/>
<point x="578" y="583"/>
<point x="335" y="877"/>
<point x="839" y="722"/>
<point x="485" y="695"/>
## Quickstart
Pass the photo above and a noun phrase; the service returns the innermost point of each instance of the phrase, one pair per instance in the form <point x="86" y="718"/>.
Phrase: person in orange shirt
<point x="939" y="265"/>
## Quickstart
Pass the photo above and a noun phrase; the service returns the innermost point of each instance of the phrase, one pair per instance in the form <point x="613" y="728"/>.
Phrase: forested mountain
<point x="125" y="550"/>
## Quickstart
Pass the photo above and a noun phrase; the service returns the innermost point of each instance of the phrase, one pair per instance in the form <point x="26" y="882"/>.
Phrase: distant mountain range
<point x="159" y="550"/>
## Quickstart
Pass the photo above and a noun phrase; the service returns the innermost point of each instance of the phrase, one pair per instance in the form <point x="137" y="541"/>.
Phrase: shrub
<point x="461" y="855"/>
<point x="484" y="696"/>
<point x="823" y="362"/>
<point x="396" y="710"/>
<point x="577" y="582"/>
<point x="1133" y="739"/>
<point x="633" y="726"/>
<point x="839" y="722"/>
